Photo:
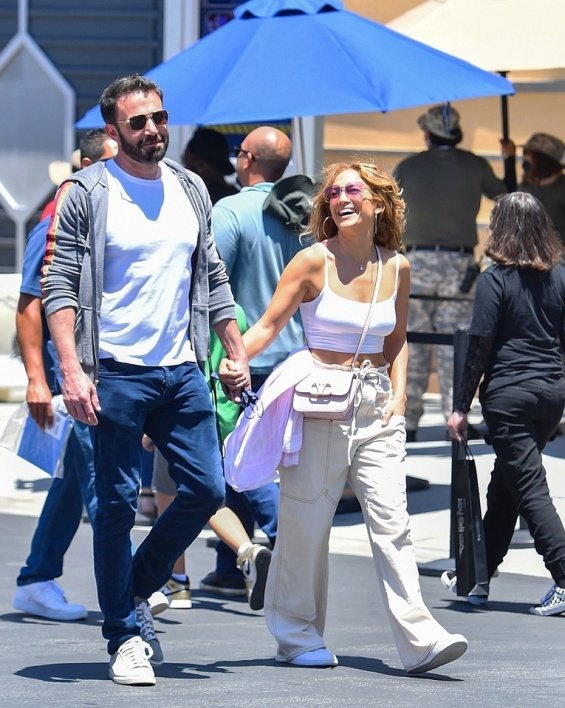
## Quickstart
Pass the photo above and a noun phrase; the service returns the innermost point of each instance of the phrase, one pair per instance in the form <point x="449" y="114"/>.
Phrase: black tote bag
<point x="467" y="528"/>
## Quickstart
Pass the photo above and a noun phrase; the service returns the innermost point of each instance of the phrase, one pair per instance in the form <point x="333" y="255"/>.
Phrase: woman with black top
<point x="514" y="340"/>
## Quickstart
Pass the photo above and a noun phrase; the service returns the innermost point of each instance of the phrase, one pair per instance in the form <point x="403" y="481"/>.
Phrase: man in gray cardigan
<point x="132" y="281"/>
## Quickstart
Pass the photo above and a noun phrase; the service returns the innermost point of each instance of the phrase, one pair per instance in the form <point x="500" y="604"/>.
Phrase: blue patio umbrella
<point x="284" y="58"/>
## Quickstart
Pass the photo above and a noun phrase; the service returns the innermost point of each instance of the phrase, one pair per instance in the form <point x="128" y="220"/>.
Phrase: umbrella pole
<point x="298" y="145"/>
<point x="504" y="111"/>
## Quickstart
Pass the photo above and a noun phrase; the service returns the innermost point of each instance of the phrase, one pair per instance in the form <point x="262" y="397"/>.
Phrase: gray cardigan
<point x="74" y="262"/>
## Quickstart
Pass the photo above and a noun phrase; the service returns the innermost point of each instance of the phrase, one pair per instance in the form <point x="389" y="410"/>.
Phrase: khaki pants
<point x="370" y="458"/>
<point x="435" y="274"/>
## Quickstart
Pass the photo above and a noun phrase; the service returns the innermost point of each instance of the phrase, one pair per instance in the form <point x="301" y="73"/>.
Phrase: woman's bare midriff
<point x="345" y="358"/>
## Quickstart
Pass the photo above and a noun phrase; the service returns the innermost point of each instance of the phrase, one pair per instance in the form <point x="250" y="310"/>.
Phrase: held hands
<point x="80" y="397"/>
<point x="457" y="426"/>
<point x="234" y="378"/>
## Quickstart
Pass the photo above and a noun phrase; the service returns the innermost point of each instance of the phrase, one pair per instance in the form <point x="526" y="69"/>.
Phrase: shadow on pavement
<point x="66" y="673"/>
<point x="94" y="619"/>
<point x="519" y="608"/>
<point x="435" y="498"/>
<point x="206" y="601"/>
<point x="178" y="670"/>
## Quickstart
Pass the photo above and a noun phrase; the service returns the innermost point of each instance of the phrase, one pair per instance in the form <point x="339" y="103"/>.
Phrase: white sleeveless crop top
<point x="334" y="323"/>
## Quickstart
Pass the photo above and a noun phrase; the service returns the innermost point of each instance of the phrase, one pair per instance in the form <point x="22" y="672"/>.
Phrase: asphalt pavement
<point x="220" y="653"/>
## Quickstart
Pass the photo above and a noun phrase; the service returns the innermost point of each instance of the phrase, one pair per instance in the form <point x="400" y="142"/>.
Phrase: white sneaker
<point x="449" y="581"/>
<point x="448" y="649"/>
<point x="254" y="564"/>
<point x="315" y="659"/>
<point x="130" y="664"/>
<point x="158" y="602"/>
<point x="47" y="599"/>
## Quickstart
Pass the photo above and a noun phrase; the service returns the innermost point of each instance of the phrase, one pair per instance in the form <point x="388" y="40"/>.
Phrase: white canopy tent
<point x="496" y="35"/>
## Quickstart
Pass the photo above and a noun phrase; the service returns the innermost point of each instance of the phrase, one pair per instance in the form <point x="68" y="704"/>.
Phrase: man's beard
<point x="146" y="151"/>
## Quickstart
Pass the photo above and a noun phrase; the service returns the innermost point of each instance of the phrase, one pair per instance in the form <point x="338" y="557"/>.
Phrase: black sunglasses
<point x="140" y="121"/>
<point x="237" y="149"/>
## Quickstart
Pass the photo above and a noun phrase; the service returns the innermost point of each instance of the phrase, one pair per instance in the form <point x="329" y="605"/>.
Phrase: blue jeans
<point x="172" y="405"/>
<point x="62" y="510"/>
<point x="147" y="469"/>
<point x="255" y="505"/>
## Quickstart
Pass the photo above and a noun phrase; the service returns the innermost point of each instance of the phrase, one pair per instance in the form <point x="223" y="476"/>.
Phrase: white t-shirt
<point x="151" y="236"/>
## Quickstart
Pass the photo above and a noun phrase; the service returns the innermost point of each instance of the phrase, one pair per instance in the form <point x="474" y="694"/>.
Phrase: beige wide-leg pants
<point x="370" y="458"/>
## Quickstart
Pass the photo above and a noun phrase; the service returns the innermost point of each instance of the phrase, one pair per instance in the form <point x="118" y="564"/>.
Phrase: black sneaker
<point x="552" y="603"/>
<point x="223" y="585"/>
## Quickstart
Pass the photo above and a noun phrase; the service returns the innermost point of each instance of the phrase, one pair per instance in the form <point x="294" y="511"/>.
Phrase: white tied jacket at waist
<point x="271" y="437"/>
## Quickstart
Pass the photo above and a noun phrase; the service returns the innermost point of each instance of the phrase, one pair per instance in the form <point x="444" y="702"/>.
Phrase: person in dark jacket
<point x="517" y="328"/>
<point x="442" y="187"/>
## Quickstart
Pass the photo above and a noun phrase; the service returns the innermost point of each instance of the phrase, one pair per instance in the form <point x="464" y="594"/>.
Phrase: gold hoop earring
<point x="324" y="227"/>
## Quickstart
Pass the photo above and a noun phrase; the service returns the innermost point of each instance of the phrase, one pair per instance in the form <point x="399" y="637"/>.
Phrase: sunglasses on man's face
<point x="353" y="191"/>
<point x="238" y="149"/>
<point x="140" y="121"/>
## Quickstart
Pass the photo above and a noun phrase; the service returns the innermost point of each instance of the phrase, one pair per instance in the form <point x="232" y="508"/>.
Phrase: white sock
<point x="180" y="577"/>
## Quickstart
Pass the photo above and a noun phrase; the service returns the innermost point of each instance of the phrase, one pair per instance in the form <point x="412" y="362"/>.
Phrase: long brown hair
<point x="386" y="193"/>
<point x="522" y="234"/>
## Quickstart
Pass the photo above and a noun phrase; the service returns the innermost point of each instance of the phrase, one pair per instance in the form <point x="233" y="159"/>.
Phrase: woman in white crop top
<point x="357" y="220"/>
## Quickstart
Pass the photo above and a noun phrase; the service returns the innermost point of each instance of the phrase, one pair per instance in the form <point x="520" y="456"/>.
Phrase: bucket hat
<point x="441" y="120"/>
<point x="548" y="145"/>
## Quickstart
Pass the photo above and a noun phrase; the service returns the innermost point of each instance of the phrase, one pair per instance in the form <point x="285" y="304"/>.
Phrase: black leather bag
<point x="467" y="529"/>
